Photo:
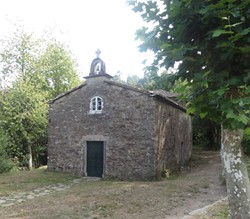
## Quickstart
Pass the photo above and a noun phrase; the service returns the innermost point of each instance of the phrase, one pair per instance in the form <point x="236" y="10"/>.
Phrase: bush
<point x="246" y="141"/>
<point x="5" y="162"/>
<point x="206" y="134"/>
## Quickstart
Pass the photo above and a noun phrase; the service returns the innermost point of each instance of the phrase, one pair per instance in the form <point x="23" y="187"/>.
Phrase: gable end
<point x="161" y="95"/>
<point x="67" y="92"/>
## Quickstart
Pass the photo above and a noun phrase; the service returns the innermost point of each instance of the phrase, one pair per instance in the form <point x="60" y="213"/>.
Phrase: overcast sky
<point x="84" y="25"/>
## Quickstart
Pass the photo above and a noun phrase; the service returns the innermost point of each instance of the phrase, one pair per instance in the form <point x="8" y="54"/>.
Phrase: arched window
<point x="96" y="105"/>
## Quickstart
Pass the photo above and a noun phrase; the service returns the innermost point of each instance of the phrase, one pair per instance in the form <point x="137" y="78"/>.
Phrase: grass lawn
<point x="109" y="199"/>
<point x="175" y="196"/>
<point x="22" y="181"/>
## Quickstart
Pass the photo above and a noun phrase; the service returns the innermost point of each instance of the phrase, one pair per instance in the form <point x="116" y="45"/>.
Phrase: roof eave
<point x="170" y="102"/>
<point x="66" y="93"/>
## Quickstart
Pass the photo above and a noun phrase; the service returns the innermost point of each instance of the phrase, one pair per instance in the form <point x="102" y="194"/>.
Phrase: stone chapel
<point x="111" y="130"/>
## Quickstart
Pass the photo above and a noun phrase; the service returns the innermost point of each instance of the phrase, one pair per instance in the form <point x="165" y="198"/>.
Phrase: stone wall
<point x="126" y="125"/>
<point x="173" y="142"/>
<point x="142" y="135"/>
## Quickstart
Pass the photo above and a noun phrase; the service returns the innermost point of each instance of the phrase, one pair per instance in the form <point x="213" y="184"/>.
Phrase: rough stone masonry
<point x="142" y="133"/>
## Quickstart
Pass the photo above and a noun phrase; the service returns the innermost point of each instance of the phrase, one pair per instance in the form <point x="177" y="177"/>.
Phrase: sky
<point x="84" y="25"/>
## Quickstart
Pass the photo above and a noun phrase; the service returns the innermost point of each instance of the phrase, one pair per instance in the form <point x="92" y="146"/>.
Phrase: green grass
<point x="95" y="199"/>
<point x="219" y="211"/>
<point x="21" y="181"/>
<point x="105" y="198"/>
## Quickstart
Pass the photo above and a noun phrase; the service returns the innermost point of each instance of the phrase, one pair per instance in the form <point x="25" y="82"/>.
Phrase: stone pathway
<point x="46" y="190"/>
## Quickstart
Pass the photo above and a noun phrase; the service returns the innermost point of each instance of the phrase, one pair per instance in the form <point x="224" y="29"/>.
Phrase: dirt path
<point x="199" y="185"/>
<point x="209" y="170"/>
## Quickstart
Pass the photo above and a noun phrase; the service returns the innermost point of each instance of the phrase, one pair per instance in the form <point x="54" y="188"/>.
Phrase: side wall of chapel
<point x="173" y="141"/>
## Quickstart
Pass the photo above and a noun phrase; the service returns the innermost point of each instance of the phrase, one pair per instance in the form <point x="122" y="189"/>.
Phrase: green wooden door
<point x="95" y="158"/>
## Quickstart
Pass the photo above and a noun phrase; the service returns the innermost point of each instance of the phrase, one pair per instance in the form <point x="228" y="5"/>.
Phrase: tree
<point x="154" y="81"/>
<point x="58" y="69"/>
<point x="5" y="162"/>
<point x="210" y="41"/>
<point x="133" y="80"/>
<point x="206" y="133"/>
<point x="24" y="112"/>
<point x="118" y="77"/>
<point x="34" y="71"/>
<point x="18" y="55"/>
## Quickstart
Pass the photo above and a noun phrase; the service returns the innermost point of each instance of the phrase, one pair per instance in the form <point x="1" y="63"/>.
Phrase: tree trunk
<point x="237" y="181"/>
<point x="30" y="158"/>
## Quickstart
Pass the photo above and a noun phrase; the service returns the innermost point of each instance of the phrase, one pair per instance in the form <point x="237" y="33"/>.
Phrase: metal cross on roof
<point x="98" y="52"/>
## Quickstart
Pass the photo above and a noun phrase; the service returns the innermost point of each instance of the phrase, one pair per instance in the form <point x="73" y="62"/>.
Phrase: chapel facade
<point x="107" y="129"/>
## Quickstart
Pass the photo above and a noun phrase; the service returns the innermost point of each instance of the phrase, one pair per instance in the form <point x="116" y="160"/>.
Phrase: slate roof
<point x="170" y="98"/>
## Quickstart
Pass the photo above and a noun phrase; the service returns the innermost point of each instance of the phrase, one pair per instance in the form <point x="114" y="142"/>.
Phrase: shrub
<point x="5" y="162"/>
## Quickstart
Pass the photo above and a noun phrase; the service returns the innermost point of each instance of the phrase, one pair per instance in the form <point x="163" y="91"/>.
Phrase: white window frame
<point x="96" y="105"/>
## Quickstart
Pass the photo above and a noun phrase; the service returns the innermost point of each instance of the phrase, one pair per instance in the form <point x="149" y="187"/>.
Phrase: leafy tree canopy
<point x="33" y="72"/>
<point x="211" y="41"/>
<point x="58" y="69"/>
